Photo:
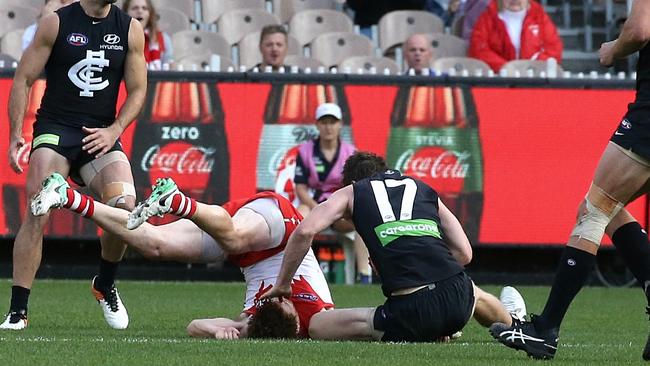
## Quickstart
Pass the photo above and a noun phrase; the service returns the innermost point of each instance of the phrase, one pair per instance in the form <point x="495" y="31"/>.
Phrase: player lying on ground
<point x="251" y="232"/>
<point x="243" y="236"/>
<point x="418" y="248"/>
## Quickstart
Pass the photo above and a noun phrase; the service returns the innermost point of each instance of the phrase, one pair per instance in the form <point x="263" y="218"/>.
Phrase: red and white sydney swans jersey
<point x="310" y="293"/>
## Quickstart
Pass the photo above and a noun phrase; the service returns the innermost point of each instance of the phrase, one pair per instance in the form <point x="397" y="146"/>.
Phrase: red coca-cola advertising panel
<point x="513" y="163"/>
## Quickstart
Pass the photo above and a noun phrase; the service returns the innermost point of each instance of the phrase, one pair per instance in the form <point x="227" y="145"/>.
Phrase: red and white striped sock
<point x="183" y="206"/>
<point x="80" y="203"/>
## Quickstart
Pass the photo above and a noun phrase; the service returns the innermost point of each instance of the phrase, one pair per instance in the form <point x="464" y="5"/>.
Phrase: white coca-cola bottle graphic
<point x="434" y="137"/>
<point x="289" y="120"/>
<point x="181" y="135"/>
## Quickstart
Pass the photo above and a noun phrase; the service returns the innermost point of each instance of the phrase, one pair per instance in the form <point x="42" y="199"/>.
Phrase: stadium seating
<point x="214" y="9"/>
<point x="308" y="24"/>
<point x="526" y="68"/>
<point x="184" y="6"/>
<point x="366" y="63"/>
<point x="199" y="62"/>
<point x="285" y="9"/>
<point x="12" y="43"/>
<point x="189" y="43"/>
<point x="15" y="17"/>
<point x="303" y="62"/>
<point x="249" y="51"/>
<point x="395" y="27"/>
<point x="334" y="47"/>
<point x="458" y="64"/>
<point x="447" y="45"/>
<point x="233" y="25"/>
<point x="172" y="20"/>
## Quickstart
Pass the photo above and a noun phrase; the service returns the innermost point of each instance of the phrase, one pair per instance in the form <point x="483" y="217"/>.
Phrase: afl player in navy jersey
<point x="417" y="247"/>
<point x="86" y="49"/>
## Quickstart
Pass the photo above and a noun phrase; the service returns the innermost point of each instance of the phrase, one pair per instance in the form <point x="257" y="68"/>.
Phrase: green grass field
<point x="604" y="326"/>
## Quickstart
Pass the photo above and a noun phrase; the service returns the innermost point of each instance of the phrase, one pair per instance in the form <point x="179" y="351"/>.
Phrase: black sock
<point x="19" y="297"/>
<point x="572" y="273"/>
<point x="631" y="241"/>
<point x="106" y="277"/>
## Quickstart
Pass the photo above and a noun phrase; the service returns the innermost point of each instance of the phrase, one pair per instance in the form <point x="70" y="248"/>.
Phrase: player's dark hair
<point x="362" y="164"/>
<point x="271" y="321"/>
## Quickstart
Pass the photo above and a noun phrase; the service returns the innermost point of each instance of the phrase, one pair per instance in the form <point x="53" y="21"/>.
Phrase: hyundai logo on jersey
<point x="112" y="39"/>
<point x="77" y="39"/>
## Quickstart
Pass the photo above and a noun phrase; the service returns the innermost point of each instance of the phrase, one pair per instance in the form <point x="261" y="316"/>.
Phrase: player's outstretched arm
<point x="29" y="69"/>
<point x="219" y="328"/>
<point x="455" y="236"/>
<point x="355" y="324"/>
<point x="319" y="219"/>
<point x="635" y="34"/>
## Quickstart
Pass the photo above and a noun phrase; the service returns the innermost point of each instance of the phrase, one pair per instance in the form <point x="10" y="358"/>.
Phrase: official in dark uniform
<point x="86" y="49"/>
<point x="622" y="175"/>
<point x="418" y="248"/>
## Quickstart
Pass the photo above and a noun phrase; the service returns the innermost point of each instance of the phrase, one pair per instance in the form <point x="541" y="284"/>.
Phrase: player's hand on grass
<point x="277" y="292"/>
<point x="15" y="143"/>
<point x="606" y="53"/>
<point x="227" y="333"/>
<point x="99" y="140"/>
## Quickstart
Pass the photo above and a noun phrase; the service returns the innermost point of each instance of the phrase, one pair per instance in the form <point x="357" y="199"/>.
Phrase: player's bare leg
<point x="246" y="231"/>
<point x="28" y="245"/>
<point x="110" y="178"/>
<point x="618" y="179"/>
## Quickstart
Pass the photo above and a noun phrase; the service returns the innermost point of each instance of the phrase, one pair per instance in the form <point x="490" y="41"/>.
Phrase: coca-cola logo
<point x="284" y="171"/>
<point x="189" y="165"/>
<point x="442" y="169"/>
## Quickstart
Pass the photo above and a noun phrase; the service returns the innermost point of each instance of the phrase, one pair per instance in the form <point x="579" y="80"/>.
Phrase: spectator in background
<point x="319" y="172"/>
<point x="157" y="44"/>
<point x="514" y="29"/>
<point x="273" y="47"/>
<point x="447" y="10"/>
<point x="50" y="6"/>
<point x="418" y="53"/>
<point x="471" y="10"/>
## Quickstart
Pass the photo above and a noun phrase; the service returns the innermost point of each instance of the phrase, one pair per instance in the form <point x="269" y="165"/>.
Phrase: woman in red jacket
<point x="514" y="29"/>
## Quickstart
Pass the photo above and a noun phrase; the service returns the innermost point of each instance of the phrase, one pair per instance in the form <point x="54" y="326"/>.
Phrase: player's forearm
<point x="17" y="104"/>
<point x="131" y="108"/>
<point x="635" y="33"/>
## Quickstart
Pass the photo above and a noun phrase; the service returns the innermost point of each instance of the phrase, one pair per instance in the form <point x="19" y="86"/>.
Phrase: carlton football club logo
<point x="82" y="74"/>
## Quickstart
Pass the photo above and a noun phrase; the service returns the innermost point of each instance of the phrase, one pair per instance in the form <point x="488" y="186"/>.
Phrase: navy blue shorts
<point x="633" y="133"/>
<point x="66" y="141"/>
<point x="429" y="313"/>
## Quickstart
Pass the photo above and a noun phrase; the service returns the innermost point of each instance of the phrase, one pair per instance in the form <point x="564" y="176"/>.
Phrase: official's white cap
<point x="328" y="109"/>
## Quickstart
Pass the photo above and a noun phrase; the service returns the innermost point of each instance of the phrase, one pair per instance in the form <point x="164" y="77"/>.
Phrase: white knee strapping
<point x="599" y="210"/>
<point x="116" y="193"/>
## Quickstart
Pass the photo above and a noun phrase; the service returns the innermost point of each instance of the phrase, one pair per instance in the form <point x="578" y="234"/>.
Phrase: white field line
<point x="138" y="340"/>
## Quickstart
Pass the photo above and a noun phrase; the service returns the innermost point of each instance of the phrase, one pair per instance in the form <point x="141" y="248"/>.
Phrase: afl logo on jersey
<point x="77" y="39"/>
